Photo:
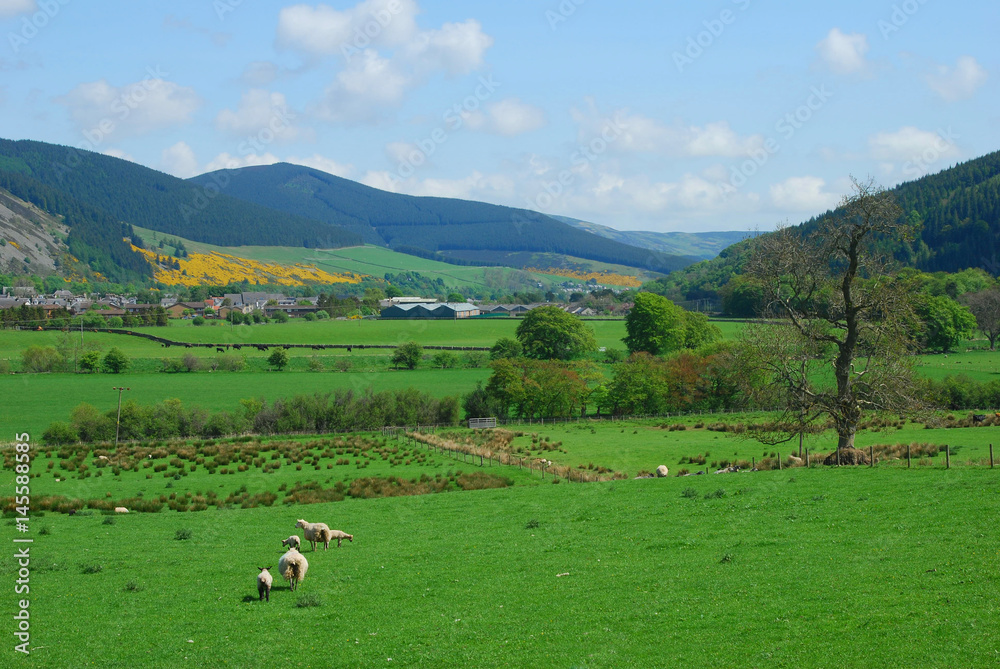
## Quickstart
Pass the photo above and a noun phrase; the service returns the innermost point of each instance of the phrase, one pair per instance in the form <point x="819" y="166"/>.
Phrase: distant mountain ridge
<point x="450" y="227"/>
<point x="700" y="245"/>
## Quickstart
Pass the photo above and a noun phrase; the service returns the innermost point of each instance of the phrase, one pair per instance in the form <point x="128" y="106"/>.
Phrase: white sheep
<point x="325" y="535"/>
<point x="121" y="509"/>
<point x="309" y="530"/>
<point x="662" y="471"/>
<point x="292" y="542"/>
<point x="264" y="580"/>
<point x="293" y="567"/>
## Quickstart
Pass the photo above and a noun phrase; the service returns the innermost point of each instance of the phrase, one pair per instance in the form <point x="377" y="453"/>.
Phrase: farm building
<point x="446" y="310"/>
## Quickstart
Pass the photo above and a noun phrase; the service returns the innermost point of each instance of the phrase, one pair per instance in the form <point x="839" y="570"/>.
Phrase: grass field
<point x="376" y="261"/>
<point x="874" y="567"/>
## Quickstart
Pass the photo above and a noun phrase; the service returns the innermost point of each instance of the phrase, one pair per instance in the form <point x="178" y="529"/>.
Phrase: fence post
<point x="753" y="460"/>
<point x="991" y="456"/>
<point x="947" y="456"/>
<point x="908" y="465"/>
<point x="807" y="458"/>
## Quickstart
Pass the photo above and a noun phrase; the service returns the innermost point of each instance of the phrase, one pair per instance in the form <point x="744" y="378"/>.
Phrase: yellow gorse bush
<point x="600" y="277"/>
<point x="221" y="268"/>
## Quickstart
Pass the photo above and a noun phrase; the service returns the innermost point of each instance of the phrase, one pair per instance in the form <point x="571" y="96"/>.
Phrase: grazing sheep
<point x="662" y="471"/>
<point x="325" y="535"/>
<point x="292" y="542"/>
<point x="264" y="580"/>
<point x="121" y="509"/>
<point x="293" y="567"/>
<point x="309" y="530"/>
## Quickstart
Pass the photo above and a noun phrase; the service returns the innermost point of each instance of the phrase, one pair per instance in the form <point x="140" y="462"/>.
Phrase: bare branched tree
<point x="834" y="339"/>
<point x="985" y="306"/>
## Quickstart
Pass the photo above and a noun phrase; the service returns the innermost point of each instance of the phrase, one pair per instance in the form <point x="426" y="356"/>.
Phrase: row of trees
<point x="342" y="410"/>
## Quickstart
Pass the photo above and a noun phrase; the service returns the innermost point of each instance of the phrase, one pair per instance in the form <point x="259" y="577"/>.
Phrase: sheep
<point x="293" y="567"/>
<point x="662" y="471"/>
<point x="292" y="542"/>
<point x="309" y="530"/>
<point x="325" y="535"/>
<point x="121" y="509"/>
<point x="264" y="580"/>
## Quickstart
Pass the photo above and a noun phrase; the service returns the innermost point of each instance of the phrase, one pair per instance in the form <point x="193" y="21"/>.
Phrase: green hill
<point x="104" y="193"/>
<point x="429" y="226"/>
<point x="956" y="213"/>
<point x="700" y="245"/>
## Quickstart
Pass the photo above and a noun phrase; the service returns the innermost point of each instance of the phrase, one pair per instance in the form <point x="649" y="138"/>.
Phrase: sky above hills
<point x="724" y="115"/>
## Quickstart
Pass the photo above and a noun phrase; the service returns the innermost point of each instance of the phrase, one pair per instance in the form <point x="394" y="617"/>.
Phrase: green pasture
<point x="465" y="332"/>
<point x="882" y="567"/>
<point x="33" y="401"/>
<point x="634" y="446"/>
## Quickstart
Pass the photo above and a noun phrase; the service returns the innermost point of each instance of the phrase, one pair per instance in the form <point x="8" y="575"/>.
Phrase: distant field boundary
<point x="263" y="347"/>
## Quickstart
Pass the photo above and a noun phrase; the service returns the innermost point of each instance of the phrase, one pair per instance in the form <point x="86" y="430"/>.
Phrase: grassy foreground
<point x="876" y="568"/>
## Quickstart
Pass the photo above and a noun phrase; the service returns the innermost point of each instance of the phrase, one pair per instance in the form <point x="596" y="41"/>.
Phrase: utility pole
<point x="118" y="421"/>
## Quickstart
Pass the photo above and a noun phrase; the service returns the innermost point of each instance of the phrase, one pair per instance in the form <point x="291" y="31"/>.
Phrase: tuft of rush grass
<point x="895" y="568"/>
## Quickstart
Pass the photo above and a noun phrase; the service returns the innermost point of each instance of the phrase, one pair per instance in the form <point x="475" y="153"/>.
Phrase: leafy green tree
<point x="280" y="316"/>
<point x="639" y="386"/>
<point x="444" y="359"/>
<point x="41" y="359"/>
<point x="115" y="361"/>
<point x="59" y="433"/>
<point x="198" y="320"/>
<point x="278" y="358"/>
<point x="455" y="297"/>
<point x="945" y="322"/>
<point x="91" y="361"/>
<point x="654" y="325"/>
<point x="549" y="333"/>
<point x="408" y="355"/>
<point x="698" y="331"/>
<point x="506" y="347"/>
<point x="322" y="314"/>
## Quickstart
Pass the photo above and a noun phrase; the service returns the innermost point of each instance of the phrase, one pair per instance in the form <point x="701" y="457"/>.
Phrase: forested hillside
<point x="126" y="192"/>
<point x="956" y="218"/>
<point x="428" y="223"/>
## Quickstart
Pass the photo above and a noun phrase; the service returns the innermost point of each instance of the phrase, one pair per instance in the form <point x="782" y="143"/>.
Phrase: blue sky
<point x="723" y="115"/>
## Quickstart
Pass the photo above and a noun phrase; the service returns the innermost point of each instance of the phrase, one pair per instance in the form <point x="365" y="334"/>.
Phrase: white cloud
<point x="260" y="112"/>
<point x="843" y="53"/>
<point x="135" y="109"/>
<point x="910" y="143"/>
<point x="639" y="134"/>
<point x="323" y="30"/>
<point x="456" y="48"/>
<point x="959" y="82"/>
<point x="510" y="117"/>
<point x="383" y="53"/>
<point x="803" y="194"/>
<point x="179" y="160"/>
<point x="15" y="7"/>
<point x="364" y="88"/>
